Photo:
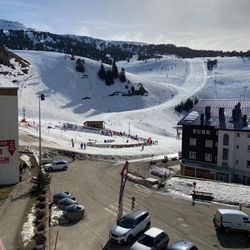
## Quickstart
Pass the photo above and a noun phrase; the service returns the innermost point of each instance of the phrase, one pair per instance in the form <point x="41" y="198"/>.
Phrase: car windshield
<point x="125" y="222"/>
<point x="146" y="240"/>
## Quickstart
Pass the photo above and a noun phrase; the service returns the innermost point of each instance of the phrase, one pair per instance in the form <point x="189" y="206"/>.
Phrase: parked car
<point x="183" y="245"/>
<point x="129" y="226"/>
<point x="56" y="165"/>
<point x="231" y="219"/>
<point x="154" y="238"/>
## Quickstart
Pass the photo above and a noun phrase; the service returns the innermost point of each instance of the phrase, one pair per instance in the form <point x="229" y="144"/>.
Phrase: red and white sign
<point x="10" y="144"/>
<point x="4" y="160"/>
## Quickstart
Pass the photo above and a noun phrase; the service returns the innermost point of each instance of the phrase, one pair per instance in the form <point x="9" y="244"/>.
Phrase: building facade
<point x="216" y="141"/>
<point x="9" y="144"/>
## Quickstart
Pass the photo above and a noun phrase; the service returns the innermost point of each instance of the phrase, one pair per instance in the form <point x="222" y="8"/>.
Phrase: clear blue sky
<point x="200" y="24"/>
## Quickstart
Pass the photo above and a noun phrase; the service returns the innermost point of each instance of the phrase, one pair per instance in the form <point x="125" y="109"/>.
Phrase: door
<point x="158" y="244"/>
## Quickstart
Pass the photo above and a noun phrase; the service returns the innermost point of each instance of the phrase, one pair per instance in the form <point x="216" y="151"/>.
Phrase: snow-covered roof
<point x="214" y="120"/>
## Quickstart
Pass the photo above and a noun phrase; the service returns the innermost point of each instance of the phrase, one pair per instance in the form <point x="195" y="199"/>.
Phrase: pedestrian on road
<point x="20" y="168"/>
<point x="24" y="167"/>
<point x="81" y="145"/>
<point x="84" y="145"/>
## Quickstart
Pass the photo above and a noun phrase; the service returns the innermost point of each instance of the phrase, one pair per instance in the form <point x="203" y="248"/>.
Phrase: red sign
<point x="10" y="144"/>
<point x="4" y="160"/>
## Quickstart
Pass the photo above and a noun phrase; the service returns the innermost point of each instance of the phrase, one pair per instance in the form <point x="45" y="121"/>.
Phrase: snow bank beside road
<point x="227" y="192"/>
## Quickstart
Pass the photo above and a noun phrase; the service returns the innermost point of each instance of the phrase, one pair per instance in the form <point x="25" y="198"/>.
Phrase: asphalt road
<point x="95" y="184"/>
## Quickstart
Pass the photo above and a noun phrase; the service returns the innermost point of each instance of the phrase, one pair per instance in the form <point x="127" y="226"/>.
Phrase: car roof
<point x="181" y="245"/>
<point x="153" y="232"/>
<point x="135" y="214"/>
<point x="231" y="211"/>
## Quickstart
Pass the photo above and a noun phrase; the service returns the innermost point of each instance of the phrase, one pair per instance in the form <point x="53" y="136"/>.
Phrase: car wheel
<point x="227" y="230"/>
<point x="148" y="226"/>
<point x="64" y="168"/>
<point x="50" y="169"/>
<point x="130" y="239"/>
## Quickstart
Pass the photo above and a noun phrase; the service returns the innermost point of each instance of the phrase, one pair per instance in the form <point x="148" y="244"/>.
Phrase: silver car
<point x="153" y="239"/>
<point x="56" y="165"/>
<point x="183" y="245"/>
<point x="129" y="226"/>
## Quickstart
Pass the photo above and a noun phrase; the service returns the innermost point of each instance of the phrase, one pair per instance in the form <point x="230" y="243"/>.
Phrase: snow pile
<point x="57" y="217"/>
<point x="223" y="192"/>
<point x="134" y="178"/>
<point x="28" y="231"/>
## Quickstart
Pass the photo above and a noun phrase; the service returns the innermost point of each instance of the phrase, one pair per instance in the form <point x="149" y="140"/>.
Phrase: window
<point x="192" y="141"/>
<point x="238" y="134"/>
<point x="248" y="147"/>
<point x="237" y="162"/>
<point x="208" y="132"/>
<point x="208" y="157"/>
<point x="225" y="154"/>
<point x="224" y="164"/>
<point x="203" y="131"/>
<point x="248" y="164"/>
<point x="208" y="143"/>
<point x="192" y="155"/>
<point x="237" y="146"/>
<point x="198" y="131"/>
<point x="246" y="220"/>
<point x="194" y="131"/>
<point x="225" y="139"/>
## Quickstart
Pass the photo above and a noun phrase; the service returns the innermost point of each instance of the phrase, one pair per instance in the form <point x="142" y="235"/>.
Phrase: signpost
<point x="194" y="185"/>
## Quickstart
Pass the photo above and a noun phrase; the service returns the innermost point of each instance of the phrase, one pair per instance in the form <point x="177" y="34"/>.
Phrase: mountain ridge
<point x="15" y="37"/>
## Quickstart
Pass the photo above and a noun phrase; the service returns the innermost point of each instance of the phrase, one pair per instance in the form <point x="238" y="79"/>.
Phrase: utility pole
<point x="129" y="128"/>
<point x="40" y="98"/>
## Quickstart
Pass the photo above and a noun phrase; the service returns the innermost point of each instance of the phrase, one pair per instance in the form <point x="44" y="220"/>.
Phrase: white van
<point x="231" y="219"/>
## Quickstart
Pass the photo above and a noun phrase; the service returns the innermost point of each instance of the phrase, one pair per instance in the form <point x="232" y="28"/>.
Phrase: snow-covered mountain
<point x="168" y="80"/>
<point x="12" y="25"/>
<point x="17" y="36"/>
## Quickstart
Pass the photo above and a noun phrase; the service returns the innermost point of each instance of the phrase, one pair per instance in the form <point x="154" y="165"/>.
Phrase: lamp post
<point x="41" y="98"/>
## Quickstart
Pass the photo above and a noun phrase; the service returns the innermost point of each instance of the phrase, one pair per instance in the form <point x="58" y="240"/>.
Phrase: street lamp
<point x="41" y="98"/>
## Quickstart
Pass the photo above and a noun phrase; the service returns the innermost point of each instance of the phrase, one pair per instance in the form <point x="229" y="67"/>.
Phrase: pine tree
<point x="114" y="70"/>
<point x="109" y="78"/>
<point x="102" y="73"/>
<point x="79" y="65"/>
<point x="122" y="76"/>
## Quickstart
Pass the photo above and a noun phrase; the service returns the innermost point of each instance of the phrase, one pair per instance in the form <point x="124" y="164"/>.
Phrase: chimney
<point x="207" y="112"/>
<point x="221" y="113"/>
<point x="202" y="118"/>
<point x="245" y="123"/>
<point x="234" y="115"/>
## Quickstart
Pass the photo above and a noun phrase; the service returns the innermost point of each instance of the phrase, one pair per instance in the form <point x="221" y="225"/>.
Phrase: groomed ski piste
<point x="168" y="80"/>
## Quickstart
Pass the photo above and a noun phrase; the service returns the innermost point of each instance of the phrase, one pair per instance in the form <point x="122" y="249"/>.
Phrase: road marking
<point x="180" y="219"/>
<point x="115" y="207"/>
<point x="143" y="191"/>
<point x="140" y="194"/>
<point x="184" y="225"/>
<point x="110" y="211"/>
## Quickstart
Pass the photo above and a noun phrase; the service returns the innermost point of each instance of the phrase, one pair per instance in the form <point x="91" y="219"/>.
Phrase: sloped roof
<point x="193" y="117"/>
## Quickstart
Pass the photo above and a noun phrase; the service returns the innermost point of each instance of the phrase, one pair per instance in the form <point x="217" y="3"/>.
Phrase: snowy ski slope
<point x="168" y="80"/>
